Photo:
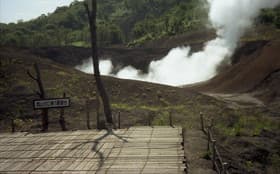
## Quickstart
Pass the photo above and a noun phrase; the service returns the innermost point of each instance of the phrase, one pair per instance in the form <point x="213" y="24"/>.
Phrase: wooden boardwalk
<point x="134" y="150"/>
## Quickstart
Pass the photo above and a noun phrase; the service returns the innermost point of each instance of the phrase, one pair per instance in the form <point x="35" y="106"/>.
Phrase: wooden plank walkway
<point x="134" y="150"/>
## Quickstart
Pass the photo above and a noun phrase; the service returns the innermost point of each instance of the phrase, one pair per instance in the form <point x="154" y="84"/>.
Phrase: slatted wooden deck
<point x="134" y="150"/>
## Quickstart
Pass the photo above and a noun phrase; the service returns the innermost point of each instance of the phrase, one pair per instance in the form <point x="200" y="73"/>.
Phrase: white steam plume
<point x="230" y="18"/>
<point x="105" y="66"/>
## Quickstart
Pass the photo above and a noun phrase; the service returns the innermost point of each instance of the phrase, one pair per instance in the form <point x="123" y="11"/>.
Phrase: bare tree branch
<point x="87" y="9"/>
<point x="38" y="93"/>
<point x="41" y="94"/>
<point x="31" y="76"/>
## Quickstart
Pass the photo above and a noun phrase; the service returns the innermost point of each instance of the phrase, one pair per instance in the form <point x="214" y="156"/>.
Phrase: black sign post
<point x="45" y="104"/>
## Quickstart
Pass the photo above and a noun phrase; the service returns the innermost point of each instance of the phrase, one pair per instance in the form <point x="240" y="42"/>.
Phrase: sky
<point x="14" y="10"/>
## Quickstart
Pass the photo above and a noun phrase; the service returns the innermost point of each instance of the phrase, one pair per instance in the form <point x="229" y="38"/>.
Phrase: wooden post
<point x="211" y="123"/>
<point x="119" y="120"/>
<point x="13" y="125"/>
<point x="202" y="122"/>
<point x="149" y="120"/>
<point x="87" y="114"/>
<point x="61" y="118"/>
<point x="214" y="153"/>
<point x="45" y="120"/>
<point x="114" y="120"/>
<point x="97" y="113"/>
<point x="170" y="119"/>
<point x="97" y="121"/>
<point x="225" y="167"/>
<point x="208" y="140"/>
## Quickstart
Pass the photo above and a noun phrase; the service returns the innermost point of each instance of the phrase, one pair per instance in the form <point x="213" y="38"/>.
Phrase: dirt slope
<point x="17" y="91"/>
<point x="256" y="66"/>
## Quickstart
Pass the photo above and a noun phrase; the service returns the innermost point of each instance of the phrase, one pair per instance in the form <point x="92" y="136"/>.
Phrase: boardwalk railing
<point x="219" y="165"/>
<point x="117" y="119"/>
<point x="99" y="123"/>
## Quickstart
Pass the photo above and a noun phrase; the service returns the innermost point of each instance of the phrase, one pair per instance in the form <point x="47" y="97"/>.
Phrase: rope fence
<point x="219" y="165"/>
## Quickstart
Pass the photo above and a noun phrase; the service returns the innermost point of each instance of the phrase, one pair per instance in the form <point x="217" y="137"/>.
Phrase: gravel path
<point x="195" y="149"/>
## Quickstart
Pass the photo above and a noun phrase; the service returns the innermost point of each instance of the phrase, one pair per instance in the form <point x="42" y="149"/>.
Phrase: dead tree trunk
<point x="91" y="13"/>
<point x="41" y="94"/>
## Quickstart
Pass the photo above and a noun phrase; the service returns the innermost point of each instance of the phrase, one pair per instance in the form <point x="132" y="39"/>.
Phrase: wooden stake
<point x="119" y="120"/>
<point x="87" y="115"/>
<point x="149" y="120"/>
<point x="61" y="118"/>
<point x="214" y="153"/>
<point x="97" y="113"/>
<point x="202" y="122"/>
<point x="208" y="140"/>
<point x="170" y="119"/>
<point x="13" y="125"/>
<point x="225" y="167"/>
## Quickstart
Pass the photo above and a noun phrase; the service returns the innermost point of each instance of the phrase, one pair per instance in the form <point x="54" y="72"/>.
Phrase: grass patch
<point x="159" y="114"/>
<point x="61" y="73"/>
<point x="249" y="164"/>
<point x="129" y="107"/>
<point x="80" y="44"/>
<point x="122" y="106"/>
<point x="207" y="155"/>
<point x="275" y="161"/>
<point x="161" y="119"/>
<point x="248" y="125"/>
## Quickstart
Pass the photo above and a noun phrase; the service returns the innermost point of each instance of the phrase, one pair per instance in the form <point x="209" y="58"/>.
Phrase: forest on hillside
<point x="119" y="22"/>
